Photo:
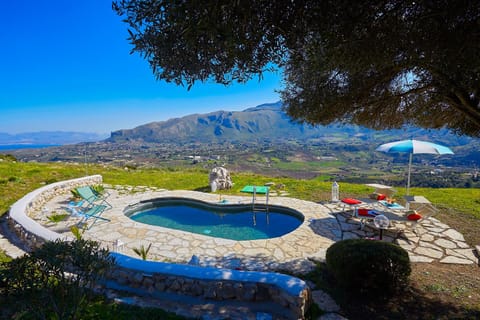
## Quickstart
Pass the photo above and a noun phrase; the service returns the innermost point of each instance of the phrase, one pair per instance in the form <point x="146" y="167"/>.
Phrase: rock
<point x="467" y="253"/>
<point x="226" y="292"/>
<point x="455" y="260"/>
<point x="324" y="301"/>
<point x="432" y="253"/>
<point x="210" y="293"/>
<point x="444" y="243"/>
<point x="176" y="285"/>
<point x="136" y="278"/>
<point x="148" y="282"/>
<point x="160" y="286"/>
<point x="220" y="179"/>
<point x="415" y="258"/>
<point x="196" y="290"/>
<point x="248" y="292"/>
<point x="262" y="293"/>
<point x="454" y="234"/>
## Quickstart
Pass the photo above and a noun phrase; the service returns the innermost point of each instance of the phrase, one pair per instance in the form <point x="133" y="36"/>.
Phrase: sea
<point x="26" y="146"/>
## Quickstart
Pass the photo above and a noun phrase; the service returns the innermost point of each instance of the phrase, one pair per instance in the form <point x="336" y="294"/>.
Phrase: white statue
<point x="219" y="179"/>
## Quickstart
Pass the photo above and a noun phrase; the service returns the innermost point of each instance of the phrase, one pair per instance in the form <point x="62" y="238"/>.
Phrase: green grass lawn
<point x="17" y="179"/>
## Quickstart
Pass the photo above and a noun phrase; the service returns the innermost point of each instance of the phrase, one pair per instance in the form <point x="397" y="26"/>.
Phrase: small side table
<point x="420" y="203"/>
<point x="382" y="189"/>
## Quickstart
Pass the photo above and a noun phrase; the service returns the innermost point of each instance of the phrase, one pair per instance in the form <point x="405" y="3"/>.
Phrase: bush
<point x="367" y="266"/>
<point x="98" y="189"/>
<point x="8" y="157"/>
<point x="54" y="281"/>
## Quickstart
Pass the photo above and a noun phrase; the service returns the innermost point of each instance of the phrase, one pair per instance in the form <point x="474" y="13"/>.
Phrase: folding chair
<point x="93" y="198"/>
<point x="94" y="213"/>
<point x="352" y="203"/>
<point x="365" y="215"/>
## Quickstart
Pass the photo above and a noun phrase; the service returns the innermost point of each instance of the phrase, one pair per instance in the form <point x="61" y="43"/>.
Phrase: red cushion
<point x="381" y="197"/>
<point x="351" y="201"/>
<point x="366" y="212"/>
<point x="414" y="216"/>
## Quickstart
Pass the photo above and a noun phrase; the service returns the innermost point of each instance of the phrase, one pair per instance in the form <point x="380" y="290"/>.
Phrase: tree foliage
<point x="381" y="64"/>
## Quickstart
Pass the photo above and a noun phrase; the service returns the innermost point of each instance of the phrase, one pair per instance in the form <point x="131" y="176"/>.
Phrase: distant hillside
<point x="264" y="122"/>
<point x="49" y="137"/>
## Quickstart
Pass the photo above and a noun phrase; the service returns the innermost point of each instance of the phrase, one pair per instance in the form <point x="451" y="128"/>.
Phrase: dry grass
<point x="437" y="290"/>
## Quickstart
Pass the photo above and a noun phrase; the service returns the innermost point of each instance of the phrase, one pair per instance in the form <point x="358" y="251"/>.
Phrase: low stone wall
<point x="31" y="232"/>
<point x="213" y="283"/>
<point x="150" y="277"/>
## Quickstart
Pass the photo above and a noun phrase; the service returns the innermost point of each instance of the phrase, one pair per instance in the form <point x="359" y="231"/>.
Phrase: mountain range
<point x="49" y="138"/>
<point x="266" y="122"/>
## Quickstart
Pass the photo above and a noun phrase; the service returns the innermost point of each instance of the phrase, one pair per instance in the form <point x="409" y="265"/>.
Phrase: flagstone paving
<point x="431" y="240"/>
<point x="323" y="225"/>
<point x="310" y="240"/>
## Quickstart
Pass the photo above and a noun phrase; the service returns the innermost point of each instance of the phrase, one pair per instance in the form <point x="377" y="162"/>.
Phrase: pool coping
<point x="316" y="233"/>
<point x="297" y="244"/>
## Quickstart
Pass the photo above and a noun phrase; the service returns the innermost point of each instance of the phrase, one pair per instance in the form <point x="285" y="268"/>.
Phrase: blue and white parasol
<point x="413" y="146"/>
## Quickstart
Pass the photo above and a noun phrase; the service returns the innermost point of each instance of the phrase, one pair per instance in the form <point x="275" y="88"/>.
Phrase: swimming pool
<point x="223" y="220"/>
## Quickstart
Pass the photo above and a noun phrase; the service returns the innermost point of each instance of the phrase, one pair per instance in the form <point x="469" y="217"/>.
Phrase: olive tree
<point x="381" y="64"/>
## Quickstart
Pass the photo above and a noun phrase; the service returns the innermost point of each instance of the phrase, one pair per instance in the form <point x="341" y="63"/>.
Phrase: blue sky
<point x="66" y="65"/>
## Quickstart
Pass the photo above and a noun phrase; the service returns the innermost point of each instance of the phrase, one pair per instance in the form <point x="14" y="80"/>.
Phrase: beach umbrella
<point x="413" y="147"/>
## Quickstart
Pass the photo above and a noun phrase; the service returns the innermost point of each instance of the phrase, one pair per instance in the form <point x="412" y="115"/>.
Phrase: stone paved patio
<point x="431" y="240"/>
<point x="323" y="225"/>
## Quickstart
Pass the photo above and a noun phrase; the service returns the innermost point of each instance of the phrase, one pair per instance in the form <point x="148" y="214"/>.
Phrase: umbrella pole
<point x="409" y="170"/>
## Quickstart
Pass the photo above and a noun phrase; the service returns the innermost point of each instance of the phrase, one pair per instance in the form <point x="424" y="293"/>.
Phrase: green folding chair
<point x="94" y="213"/>
<point x="93" y="198"/>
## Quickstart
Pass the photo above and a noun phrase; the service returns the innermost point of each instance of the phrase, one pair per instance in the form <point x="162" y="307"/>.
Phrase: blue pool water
<point x="236" y="222"/>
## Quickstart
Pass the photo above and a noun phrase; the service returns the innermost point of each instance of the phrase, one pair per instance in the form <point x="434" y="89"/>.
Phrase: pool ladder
<point x="254" y="201"/>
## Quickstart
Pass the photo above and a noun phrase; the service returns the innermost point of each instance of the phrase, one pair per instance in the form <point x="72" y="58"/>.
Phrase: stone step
<point x="197" y="308"/>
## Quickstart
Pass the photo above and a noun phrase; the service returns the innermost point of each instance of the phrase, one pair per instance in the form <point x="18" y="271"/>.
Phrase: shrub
<point x="142" y="251"/>
<point x="54" y="281"/>
<point x="8" y="157"/>
<point x="57" y="217"/>
<point x="75" y="193"/>
<point x="367" y="266"/>
<point x="98" y="189"/>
